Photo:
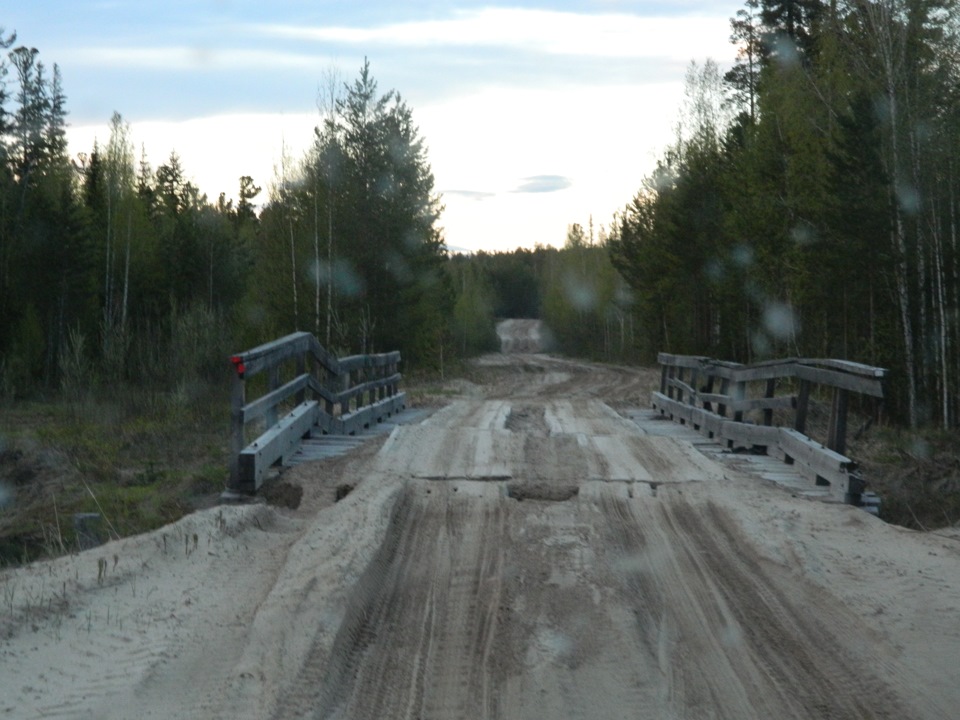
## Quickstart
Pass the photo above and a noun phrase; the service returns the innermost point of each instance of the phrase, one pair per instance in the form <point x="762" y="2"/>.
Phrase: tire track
<point x="737" y="638"/>
<point x="421" y="615"/>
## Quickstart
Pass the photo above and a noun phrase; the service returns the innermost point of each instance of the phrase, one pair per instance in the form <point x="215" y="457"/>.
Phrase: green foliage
<point x="585" y="304"/>
<point x="349" y="238"/>
<point x="474" y="322"/>
<point x="99" y="261"/>
<point x="820" y="220"/>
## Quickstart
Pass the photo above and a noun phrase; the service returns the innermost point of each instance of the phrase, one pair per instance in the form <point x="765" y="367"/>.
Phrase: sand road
<point x="525" y="552"/>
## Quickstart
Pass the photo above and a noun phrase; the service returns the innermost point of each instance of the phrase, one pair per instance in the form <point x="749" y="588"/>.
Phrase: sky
<point x="536" y="114"/>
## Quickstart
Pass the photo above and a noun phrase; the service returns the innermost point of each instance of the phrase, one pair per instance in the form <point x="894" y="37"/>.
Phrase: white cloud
<point x="559" y="33"/>
<point x="484" y="144"/>
<point x="183" y="58"/>
<point x="215" y="151"/>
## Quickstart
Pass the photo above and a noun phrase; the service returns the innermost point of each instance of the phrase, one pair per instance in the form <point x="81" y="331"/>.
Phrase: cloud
<point x="544" y="184"/>
<point x="182" y="58"/>
<point x="544" y="31"/>
<point x="476" y="195"/>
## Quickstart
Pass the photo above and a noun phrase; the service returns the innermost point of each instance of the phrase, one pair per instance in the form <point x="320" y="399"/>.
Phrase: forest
<point x="807" y="206"/>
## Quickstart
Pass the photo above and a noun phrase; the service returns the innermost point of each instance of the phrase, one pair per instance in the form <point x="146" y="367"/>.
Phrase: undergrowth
<point x="137" y="458"/>
<point x="915" y="473"/>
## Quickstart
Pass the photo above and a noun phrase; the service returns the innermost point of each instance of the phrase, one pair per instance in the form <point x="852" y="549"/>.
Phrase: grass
<point x="140" y="459"/>
<point x="916" y="474"/>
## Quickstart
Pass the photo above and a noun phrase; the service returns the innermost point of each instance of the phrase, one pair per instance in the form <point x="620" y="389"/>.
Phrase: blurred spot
<point x="780" y="321"/>
<point x="346" y="281"/>
<point x="546" y="339"/>
<point x="785" y="50"/>
<point x="742" y="256"/>
<point x="909" y="199"/>
<point x="713" y="270"/>
<point x="7" y="495"/>
<point x="397" y="266"/>
<point x="753" y="291"/>
<point x="921" y="449"/>
<point x="803" y="234"/>
<point x="579" y="294"/>
<point x="256" y="315"/>
<point x="760" y="345"/>
<point x="731" y="637"/>
<point x="553" y="644"/>
<point x="881" y="108"/>
<point x="202" y="56"/>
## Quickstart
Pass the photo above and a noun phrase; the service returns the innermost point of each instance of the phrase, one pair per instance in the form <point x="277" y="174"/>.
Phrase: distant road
<point x="521" y="336"/>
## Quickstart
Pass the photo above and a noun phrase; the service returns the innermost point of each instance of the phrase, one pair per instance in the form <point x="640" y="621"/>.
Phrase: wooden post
<point x="680" y="375"/>
<point x="237" y="401"/>
<point x="739" y="393"/>
<point x="708" y="406"/>
<point x="694" y="379"/>
<point x="724" y="389"/>
<point x="344" y="386"/>
<point x="768" y="412"/>
<point x="803" y="402"/>
<point x="663" y="380"/>
<point x="837" y="434"/>
<point x="301" y="369"/>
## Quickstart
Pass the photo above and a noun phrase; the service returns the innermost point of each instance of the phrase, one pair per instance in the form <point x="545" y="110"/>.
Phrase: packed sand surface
<point x="524" y="552"/>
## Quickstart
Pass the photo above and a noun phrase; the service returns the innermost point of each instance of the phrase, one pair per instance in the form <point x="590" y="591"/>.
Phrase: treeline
<point x="809" y="203"/>
<point x="112" y="271"/>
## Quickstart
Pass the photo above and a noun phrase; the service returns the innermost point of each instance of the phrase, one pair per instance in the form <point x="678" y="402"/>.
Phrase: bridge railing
<point x="325" y="394"/>
<point x="713" y="397"/>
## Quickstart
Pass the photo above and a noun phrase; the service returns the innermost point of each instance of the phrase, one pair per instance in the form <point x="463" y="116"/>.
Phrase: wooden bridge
<point x="317" y="393"/>
<point x="717" y="398"/>
<point x="731" y="405"/>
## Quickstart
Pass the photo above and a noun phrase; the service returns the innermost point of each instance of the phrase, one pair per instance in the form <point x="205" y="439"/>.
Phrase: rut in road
<point x="633" y="595"/>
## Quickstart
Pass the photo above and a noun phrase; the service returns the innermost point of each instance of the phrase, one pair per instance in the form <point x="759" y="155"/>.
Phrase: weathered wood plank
<point x="826" y="463"/>
<point x="359" y="362"/>
<point x="269" y="354"/>
<point x="274" y="445"/>
<point x="846" y="366"/>
<point x="261" y="406"/>
<point x="748" y="435"/>
<point x="834" y="378"/>
<point x="784" y="402"/>
<point x="682" y="387"/>
<point x="684" y="361"/>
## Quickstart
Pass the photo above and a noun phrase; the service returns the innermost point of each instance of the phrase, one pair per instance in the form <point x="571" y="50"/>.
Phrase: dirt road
<point x="526" y="552"/>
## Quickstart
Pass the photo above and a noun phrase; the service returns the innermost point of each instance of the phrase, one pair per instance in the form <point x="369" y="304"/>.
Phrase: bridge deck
<point x="764" y="466"/>
<point x="320" y="446"/>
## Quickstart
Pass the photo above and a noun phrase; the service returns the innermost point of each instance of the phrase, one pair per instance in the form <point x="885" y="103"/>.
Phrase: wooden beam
<point x="846" y="366"/>
<point x="834" y="378"/>
<point x="275" y="444"/>
<point x="837" y="432"/>
<point x="749" y="435"/>
<point x="262" y="406"/>
<point x="824" y="462"/>
<point x="803" y="403"/>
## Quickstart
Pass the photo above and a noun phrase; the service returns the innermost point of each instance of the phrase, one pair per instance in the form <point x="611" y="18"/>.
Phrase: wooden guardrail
<point x="345" y="395"/>
<point x="712" y="396"/>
